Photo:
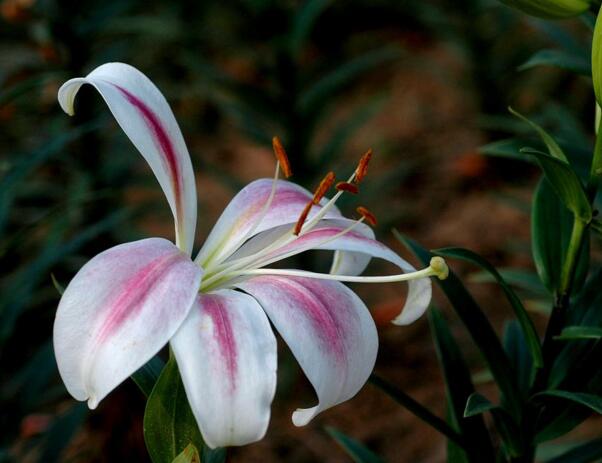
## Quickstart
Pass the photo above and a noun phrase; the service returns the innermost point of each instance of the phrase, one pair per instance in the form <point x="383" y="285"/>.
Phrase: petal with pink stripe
<point x="329" y="331"/>
<point x="146" y="118"/>
<point x="238" y="220"/>
<point x="354" y="244"/>
<point x="119" y="310"/>
<point x="226" y="353"/>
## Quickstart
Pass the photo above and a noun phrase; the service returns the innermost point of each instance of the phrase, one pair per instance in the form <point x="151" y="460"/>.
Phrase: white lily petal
<point x="357" y="242"/>
<point x="146" y="118"/>
<point x="241" y="215"/>
<point x="329" y="331"/>
<point x="119" y="310"/>
<point x="226" y="353"/>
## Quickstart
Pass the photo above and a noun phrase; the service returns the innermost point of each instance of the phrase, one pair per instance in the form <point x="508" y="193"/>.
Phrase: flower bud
<point x="550" y="9"/>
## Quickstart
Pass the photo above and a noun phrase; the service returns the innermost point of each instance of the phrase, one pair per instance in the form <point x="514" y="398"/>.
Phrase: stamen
<point x="366" y="214"/>
<point x="282" y="157"/>
<point x="362" y="167"/>
<point x="302" y="218"/>
<point x="323" y="187"/>
<point x="430" y="271"/>
<point x="348" y="187"/>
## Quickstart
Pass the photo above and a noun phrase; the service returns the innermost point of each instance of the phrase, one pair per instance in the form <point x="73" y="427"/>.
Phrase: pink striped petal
<point x="118" y="311"/>
<point x="241" y="215"/>
<point x="329" y="331"/>
<point x="226" y="353"/>
<point x="146" y="118"/>
<point x="358" y="247"/>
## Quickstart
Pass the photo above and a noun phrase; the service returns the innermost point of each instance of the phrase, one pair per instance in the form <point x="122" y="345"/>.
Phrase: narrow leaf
<point x="553" y="147"/>
<point x="477" y="404"/>
<point x="573" y="333"/>
<point x="584" y="453"/>
<point x="592" y="401"/>
<point x="519" y="310"/>
<point x="479" y="329"/>
<point x="561" y="59"/>
<point x="597" y="59"/>
<point x="357" y="451"/>
<point x="565" y="182"/>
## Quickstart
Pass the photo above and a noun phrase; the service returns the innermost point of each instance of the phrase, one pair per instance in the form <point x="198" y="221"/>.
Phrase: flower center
<point x="227" y="269"/>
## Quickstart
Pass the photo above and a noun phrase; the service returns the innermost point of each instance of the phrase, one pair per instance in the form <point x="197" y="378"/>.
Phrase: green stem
<point x="596" y="168"/>
<point x="572" y="254"/>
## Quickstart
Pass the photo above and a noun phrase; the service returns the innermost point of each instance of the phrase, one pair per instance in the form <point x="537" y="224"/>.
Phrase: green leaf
<point x="357" y="451"/>
<point x="553" y="147"/>
<point x="565" y="182"/>
<point x="417" y="409"/>
<point x="550" y="9"/>
<point x="509" y="432"/>
<point x="591" y="401"/>
<point x="479" y="329"/>
<point x="555" y="424"/>
<point x="147" y="376"/>
<point x="459" y="388"/>
<point x="169" y="425"/>
<point x="572" y="333"/>
<point x="508" y="148"/>
<point x="515" y="346"/>
<point x="584" y="453"/>
<point x="597" y="59"/>
<point x="477" y="404"/>
<point x="561" y="59"/>
<point x="189" y="455"/>
<point x="550" y="244"/>
<point x="519" y="310"/>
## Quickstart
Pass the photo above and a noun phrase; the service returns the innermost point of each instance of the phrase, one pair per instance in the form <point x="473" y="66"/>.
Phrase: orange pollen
<point x="280" y="153"/>
<point x="348" y="187"/>
<point x="302" y="218"/>
<point x="362" y="167"/>
<point x="323" y="187"/>
<point x="366" y="214"/>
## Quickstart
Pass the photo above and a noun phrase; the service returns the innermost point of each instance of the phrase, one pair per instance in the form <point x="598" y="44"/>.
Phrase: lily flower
<point x="215" y="310"/>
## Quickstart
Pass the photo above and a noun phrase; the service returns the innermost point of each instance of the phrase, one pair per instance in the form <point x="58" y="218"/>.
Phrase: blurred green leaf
<point x="333" y="82"/>
<point x="591" y="401"/>
<point x="508" y="148"/>
<point x="357" y="451"/>
<point x="565" y="182"/>
<point x="550" y="9"/>
<point x="572" y="333"/>
<point x="526" y="280"/>
<point x="550" y="244"/>
<point x="459" y="388"/>
<point x="479" y="328"/>
<point x="561" y="59"/>
<point x="477" y="404"/>
<point x="521" y="314"/>
<point x="584" y="453"/>
<point x="597" y="59"/>
<point x="303" y="21"/>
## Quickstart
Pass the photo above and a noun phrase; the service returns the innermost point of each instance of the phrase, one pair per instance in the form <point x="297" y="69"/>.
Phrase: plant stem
<point x="570" y="262"/>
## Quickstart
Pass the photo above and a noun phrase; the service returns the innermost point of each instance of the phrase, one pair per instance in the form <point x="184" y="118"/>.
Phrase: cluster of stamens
<point x="225" y="268"/>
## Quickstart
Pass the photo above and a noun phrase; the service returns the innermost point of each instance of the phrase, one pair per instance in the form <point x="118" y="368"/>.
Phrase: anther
<point x="323" y="187"/>
<point x="348" y="187"/>
<point x="302" y="218"/>
<point x="367" y="215"/>
<point x="282" y="157"/>
<point x="440" y="267"/>
<point x="362" y="167"/>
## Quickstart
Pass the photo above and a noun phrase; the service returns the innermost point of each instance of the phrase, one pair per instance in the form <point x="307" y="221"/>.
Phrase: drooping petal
<point x="358" y="242"/>
<point x="146" y="118"/>
<point x="119" y="310"/>
<point x="241" y="215"/>
<point x="329" y="331"/>
<point x="226" y="353"/>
